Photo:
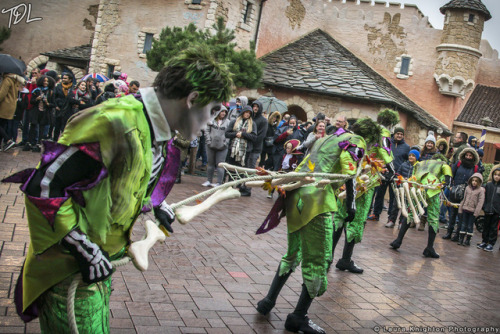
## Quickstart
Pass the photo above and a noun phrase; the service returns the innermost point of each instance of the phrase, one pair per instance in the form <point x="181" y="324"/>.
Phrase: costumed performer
<point x="428" y="172"/>
<point x="113" y="162"/>
<point x="382" y="151"/>
<point x="309" y="222"/>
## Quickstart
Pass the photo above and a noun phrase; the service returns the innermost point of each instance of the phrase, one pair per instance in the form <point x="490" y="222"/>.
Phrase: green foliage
<point x="368" y="129"/>
<point x="388" y="117"/>
<point x="486" y="173"/>
<point x="4" y="35"/>
<point x="247" y="70"/>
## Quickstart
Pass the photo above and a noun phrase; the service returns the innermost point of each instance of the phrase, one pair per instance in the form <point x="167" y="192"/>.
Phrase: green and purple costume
<point x="364" y="195"/>
<point x="119" y="135"/>
<point x="431" y="172"/>
<point x="309" y="209"/>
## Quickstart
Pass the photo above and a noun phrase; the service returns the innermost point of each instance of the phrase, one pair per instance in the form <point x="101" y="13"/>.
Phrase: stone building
<point x="436" y="70"/>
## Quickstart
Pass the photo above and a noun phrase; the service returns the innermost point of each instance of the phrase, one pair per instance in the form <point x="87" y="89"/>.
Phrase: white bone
<point x="422" y="197"/>
<point x="323" y="183"/>
<point x="404" y="211"/>
<point x="139" y="250"/>
<point x="185" y="213"/>
<point x="406" y="187"/>
<point x="414" y="196"/>
<point x="255" y="184"/>
<point x="237" y="168"/>
<point x="396" y="193"/>
<point x="288" y="179"/>
<point x="296" y="185"/>
<point x="364" y="178"/>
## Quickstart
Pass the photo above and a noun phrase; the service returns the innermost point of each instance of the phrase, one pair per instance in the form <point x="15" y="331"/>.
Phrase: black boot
<point x="245" y="191"/>
<point x="455" y="237"/>
<point x="467" y="240"/>
<point x="461" y="238"/>
<point x="298" y="321"/>
<point x="429" y="250"/>
<point x="448" y="234"/>
<point x="402" y="231"/>
<point x="345" y="263"/>
<point x="266" y="305"/>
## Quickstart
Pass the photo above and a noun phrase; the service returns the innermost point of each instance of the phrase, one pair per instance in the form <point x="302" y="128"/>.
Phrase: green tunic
<point x="431" y="172"/>
<point x="305" y="203"/>
<point x="121" y="129"/>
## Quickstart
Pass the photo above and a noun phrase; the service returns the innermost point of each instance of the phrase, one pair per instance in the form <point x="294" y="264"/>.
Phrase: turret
<point x="458" y="53"/>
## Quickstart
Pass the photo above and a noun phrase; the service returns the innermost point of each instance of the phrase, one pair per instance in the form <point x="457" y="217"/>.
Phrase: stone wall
<point x="63" y="24"/>
<point x="123" y="25"/>
<point x="458" y="30"/>
<point x="312" y="104"/>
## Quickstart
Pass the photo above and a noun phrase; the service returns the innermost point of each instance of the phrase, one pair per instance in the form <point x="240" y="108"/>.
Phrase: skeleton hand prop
<point x="93" y="262"/>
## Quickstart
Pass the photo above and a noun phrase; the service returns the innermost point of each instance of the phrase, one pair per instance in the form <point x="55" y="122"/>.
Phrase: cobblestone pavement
<point x="208" y="276"/>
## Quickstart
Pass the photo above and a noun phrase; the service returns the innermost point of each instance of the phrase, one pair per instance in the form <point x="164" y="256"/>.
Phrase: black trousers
<point x="490" y="228"/>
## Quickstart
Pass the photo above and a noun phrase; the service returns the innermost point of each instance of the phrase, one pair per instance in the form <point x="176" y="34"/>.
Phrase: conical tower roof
<point x="475" y="5"/>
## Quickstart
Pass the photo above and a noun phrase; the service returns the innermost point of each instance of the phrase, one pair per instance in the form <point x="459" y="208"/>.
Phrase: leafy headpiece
<point x="368" y="129"/>
<point x="388" y="117"/>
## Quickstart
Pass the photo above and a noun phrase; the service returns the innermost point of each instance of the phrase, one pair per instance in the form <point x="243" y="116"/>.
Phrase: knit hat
<point x="480" y="152"/>
<point x="399" y="129"/>
<point x="415" y="153"/>
<point x="430" y="137"/>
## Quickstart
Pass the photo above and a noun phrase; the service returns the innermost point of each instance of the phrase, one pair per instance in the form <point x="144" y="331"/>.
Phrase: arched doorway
<point x="298" y="112"/>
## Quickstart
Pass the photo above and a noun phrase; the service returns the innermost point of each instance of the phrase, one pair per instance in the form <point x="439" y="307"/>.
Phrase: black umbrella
<point x="272" y="104"/>
<point x="9" y="64"/>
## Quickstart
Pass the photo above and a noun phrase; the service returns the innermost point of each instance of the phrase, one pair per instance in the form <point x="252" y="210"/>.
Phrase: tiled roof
<point x="475" y="5"/>
<point x="318" y="63"/>
<point x="81" y="52"/>
<point x="483" y="102"/>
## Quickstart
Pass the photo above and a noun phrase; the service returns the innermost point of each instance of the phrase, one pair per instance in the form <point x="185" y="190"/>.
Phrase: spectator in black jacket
<point x="266" y="157"/>
<point x="109" y="93"/>
<point x="429" y="148"/>
<point x="400" y="151"/>
<point x="461" y="171"/>
<point x="491" y="209"/>
<point x="63" y="106"/>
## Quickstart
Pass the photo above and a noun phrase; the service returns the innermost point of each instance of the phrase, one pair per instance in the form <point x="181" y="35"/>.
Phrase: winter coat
<point x="104" y="97"/>
<point x="462" y="173"/>
<point x="293" y="163"/>
<point x="261" y="123"/>
<point x="492" y="196"/>
<point x="400" y="152"/>
<point x="37" y="116"/>
<point x="446" y="146"/>
<point x="473" y="198"/>
<point x="8" y="95"/>
<point x="76" y="103"/>
<point x="234" y="112"/>
<point x="406" y="169"/>
<point x="61" y="101"/>
<point x="216" y="133"/>
<point x="249" y="136"/>
<point x="21" y="105"/>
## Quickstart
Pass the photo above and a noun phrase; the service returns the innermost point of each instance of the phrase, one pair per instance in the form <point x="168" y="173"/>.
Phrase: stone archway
<point x="302" y="104"/>
<point x="36" y="62"/>
<point x="298" y="112"/>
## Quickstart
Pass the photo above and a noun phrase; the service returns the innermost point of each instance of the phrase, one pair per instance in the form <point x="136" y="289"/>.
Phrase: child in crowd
<point x="290" y="159"/>
<point x="470" y="208"/>
<point x="491" y="209"/>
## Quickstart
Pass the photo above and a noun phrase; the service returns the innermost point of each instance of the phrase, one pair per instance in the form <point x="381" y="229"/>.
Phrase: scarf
<point x="239" y="145"/>
<point x="66" y="88"/>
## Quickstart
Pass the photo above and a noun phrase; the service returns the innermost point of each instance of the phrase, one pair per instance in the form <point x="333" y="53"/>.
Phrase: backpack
<point x="457" y="193"/>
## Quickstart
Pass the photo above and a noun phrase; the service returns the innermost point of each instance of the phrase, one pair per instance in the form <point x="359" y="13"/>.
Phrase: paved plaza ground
<point x="208" y="276"/>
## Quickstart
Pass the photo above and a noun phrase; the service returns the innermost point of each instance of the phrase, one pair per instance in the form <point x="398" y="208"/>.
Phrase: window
<point x="148" y="42"/>
<point x="248" y="10"/>
<point x="471" y="18"/>
<point x="405" y="65"/>
<point x="111" y="69"/>
<point x="196" y="2"/>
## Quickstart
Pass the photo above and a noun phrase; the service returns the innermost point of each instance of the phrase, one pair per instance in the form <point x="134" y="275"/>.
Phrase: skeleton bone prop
<point x="139" y="250"/>
<point x="404" y="211"/>
<point x="422" y="197"/>
<point x="416" y="219"/>
<point x="414" y="196"/>
<point x="396" y="194"/>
